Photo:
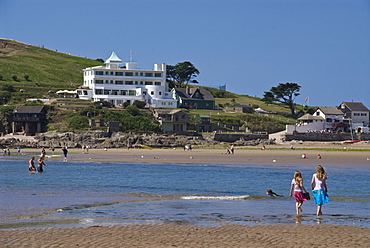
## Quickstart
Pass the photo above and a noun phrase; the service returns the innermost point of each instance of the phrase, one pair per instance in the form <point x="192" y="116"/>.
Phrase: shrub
<point x="78" y="122"/>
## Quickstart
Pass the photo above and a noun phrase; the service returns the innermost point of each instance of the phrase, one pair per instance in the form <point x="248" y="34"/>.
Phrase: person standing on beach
<point x="297" y="186"/>
<point x="40" y="163"/>
<point x="65" y="153"/>
<point x="319" y="188"/>
<point x="31" y="164"/>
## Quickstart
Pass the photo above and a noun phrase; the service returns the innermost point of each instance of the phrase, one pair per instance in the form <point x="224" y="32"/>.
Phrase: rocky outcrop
<point x="100" y="139"/>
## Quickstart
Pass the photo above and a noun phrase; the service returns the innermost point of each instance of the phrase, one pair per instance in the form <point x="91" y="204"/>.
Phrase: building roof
<point x="169" y="111"/>
<point x="355" y="106"/>
<point x="243" y="106"/>
<point x="307" y="117"/>
<point x="28" y="109"/>
<point x="113" y="58"/>
<point x="331" y="111"/>
<point x="190" y="93"/>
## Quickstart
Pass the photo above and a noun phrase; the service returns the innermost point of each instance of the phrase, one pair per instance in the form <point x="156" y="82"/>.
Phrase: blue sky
<point x="249" y="45"/>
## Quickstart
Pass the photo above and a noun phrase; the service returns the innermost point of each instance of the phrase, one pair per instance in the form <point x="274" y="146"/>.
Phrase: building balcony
<point x="29" y="119"/>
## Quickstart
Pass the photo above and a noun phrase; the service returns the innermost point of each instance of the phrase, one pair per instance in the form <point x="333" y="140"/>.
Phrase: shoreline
<point x="269" y="156"/>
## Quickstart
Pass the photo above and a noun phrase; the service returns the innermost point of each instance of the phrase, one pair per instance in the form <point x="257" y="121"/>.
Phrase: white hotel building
<point x="118" y="85"/>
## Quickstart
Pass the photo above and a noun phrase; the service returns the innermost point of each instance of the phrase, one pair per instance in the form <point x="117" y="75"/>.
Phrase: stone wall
<point x="231" y="137"/>
<point x="326" y="136"/>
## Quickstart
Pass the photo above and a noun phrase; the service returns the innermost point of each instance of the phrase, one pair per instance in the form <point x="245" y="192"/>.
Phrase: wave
<point x="222" y="198"/>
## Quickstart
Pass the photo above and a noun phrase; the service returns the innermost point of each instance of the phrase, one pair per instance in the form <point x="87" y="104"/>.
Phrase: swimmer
<point x="31" y="164"/>
<point x="271" y="193"/>
<point x="40" y="163"/>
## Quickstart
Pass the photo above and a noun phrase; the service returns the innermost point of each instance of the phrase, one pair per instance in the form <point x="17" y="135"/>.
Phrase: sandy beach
<point x="226" y="235"/>
<point x="190" y="236"/>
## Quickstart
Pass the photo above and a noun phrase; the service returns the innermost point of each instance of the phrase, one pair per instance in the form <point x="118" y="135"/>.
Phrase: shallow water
<point x="92" y="193"/>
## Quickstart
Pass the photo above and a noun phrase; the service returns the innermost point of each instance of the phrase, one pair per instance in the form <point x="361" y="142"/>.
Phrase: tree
<point x="182" y="73"/>
<point x="284" y="93"/>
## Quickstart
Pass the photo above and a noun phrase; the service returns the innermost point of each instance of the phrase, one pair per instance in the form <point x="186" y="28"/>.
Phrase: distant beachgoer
<point x="292" y="147"/>
<point x="8" y="151"/>
<point x="263" y="148"/>
<point x="19" y="149"/>
<point x="319" y="188"/>
<point x="4" y="152"/>
<point x="304" y="156"/>
<point x="87" y="149"/>
<point x="31" y="164"/>
<point x="53" y="149"/>
<point x="319" y="156"/>
<point x="271" y="193"/>
<point x="232" y="149"/>
<point x="40" y="163"/>
<point x="65" y="153"/>
<point x="297" y="186"/>
<point x="43" y="152"/>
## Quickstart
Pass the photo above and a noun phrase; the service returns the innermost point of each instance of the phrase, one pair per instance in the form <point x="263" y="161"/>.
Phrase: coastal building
<point x="194" y="98"/>
<point x="119" y="85"/>
<point x="357" y="113"/>
<point x="346" y="117"/>
<point x="29" y="120"/>
<point x="172" y="120"/>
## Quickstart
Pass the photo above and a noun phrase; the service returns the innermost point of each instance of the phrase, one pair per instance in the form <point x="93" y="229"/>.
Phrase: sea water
<point x="75" y="193"/>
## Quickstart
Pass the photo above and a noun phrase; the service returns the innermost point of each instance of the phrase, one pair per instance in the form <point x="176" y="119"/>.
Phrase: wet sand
<point x="190" y="236"/>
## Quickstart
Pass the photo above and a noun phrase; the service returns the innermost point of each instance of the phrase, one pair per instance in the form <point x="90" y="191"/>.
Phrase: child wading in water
<point x="320" y="190"/>
<point x="297" y="185"/>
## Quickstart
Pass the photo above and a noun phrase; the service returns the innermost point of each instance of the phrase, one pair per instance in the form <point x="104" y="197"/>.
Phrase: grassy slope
<point x="47" y="69"/>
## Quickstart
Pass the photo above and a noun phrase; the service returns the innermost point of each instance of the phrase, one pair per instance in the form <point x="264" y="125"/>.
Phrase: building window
<point x="157" y="74"/>
<point x="115" y="92"/>
<point x="160" y="93"/>
<point x="157" y="83"/>
<point x="129" y="82"/>
<point x="132" y="92"/>
<point x="99" y="73"/>
<point x="119" y="73"/>
<point x="98" y="91"/>
<point x="99" y="82"/>
<point x="147" y="74"/>
<point x="144" y="93"/>
<point x="123" y="92"/>
<point x="106" y="92"/>
<point x="107" y="73"/>
<point x="129" y="74"/>
<point x="119" y="82"/>
<point x="329" y="120"/>
<point x="152" y="92"/>
<point x="148" y="83"/>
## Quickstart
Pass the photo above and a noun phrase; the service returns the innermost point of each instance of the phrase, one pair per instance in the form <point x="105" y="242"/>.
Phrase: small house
<point x="29" y="120"/>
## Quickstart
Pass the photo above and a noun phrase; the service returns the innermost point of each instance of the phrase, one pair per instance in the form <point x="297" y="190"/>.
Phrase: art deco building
<point x="119" y="84"/>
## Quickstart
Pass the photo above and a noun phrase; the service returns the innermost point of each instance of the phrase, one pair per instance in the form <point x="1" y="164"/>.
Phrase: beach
<point x="189" y="236"/>
<point x="192" y="235"/>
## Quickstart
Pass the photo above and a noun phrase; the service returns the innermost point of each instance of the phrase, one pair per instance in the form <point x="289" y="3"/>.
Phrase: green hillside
<point x="34" y="71"/>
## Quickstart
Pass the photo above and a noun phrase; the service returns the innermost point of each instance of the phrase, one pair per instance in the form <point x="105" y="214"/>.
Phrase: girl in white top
<point x="319" y="188"/>
<point x="297" y="186"/>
